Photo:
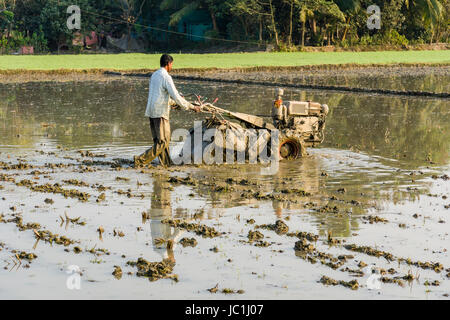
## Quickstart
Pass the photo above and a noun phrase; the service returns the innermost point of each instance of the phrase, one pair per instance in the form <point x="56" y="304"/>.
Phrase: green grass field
<point x="227" y="60"/>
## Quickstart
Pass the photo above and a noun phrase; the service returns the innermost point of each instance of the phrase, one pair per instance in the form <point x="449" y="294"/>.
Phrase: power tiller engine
<point x="300" y="124"/>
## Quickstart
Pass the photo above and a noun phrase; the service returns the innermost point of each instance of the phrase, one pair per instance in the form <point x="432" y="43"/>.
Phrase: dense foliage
<point x="287" y="24"/>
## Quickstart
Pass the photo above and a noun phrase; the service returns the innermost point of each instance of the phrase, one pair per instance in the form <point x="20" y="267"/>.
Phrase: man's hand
<point x="196" y="107"/>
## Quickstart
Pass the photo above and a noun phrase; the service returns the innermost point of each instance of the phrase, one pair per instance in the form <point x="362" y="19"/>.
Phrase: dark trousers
<point x="160" y="129"/>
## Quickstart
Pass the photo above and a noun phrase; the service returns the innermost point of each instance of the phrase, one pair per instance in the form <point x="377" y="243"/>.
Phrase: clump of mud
<point x="444" y="177"/>
<point x="215" y="249"/>
<point x="279" y="227"/>
<point x="6" y="178"/>
<point x="304" y="246"/>
<point x="435" y="283"/>
<point x="19" y="166"/>
<point x="117" y="273"/>
<point x="375" y="219"/>
<point x="231" y="291"/>
<point x="154" y="270"/>
<point x="55" y="189"/>
<point x="282" y="196"/>
<point x="436" y="266"/>
<point x="18" y="220"/>
<point x="262" y="244"/>
<point x="299" y="192"/>
<point x="199" y="229"/>
<point x="400" y="282"/>
<point x="51" y="238"/>
<point x="186" y="242"/>
<point x="370" y="251"/>
<point x="101" y="197"/>
<point x="76" y="183"/>
<point x="306" y="235"/>
<point x="353" y="284"/>
<point x="327" y="209"/>
<point x="254" y="236"/>
<point x="225" y="290"/>
<point x="184" y="181"/>
<point x="307" y="251"/>
<point x="118" y="233"/>
<point x="332" y="241"/>
<point x="26" y="256"/>
<point x="88" y="154"/>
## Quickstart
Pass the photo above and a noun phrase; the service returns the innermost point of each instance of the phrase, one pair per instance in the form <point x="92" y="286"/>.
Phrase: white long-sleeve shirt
<point x="161" y="91"/>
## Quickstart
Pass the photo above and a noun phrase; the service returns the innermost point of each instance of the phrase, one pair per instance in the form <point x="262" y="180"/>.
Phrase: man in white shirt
<point x="162" y="95"/>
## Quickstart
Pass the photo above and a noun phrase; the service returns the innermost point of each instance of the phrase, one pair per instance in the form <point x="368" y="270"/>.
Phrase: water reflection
<point x="368" y="139"/>
<point x="79" y="115"/>
<point x="161" y="209"/>
<point x="377" y="149"/>
<point x="431" y="80"/>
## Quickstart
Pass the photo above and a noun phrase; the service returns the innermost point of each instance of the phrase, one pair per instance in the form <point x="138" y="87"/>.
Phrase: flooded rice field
<point x="417" y="79"/>
<point x="364" y="216"/>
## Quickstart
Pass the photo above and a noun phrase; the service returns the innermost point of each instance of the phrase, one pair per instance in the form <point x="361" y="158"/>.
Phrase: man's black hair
<point x="165" y="60"/>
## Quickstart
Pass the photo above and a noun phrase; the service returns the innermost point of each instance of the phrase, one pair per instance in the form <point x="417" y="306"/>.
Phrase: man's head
<point x="167" y="62"/>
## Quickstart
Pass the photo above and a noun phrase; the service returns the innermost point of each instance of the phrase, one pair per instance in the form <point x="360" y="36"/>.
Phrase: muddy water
<point x="425" y="78"/>
<point x="383" y="158"/>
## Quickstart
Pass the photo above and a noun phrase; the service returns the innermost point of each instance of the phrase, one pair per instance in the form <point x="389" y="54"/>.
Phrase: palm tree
<point x="291" y="4"/>
<point x="349" y="8"/>
<point x="328" y="11"/>
<point x="305" y="13"/>
<point x="431" y="12"/>
<point x="6" y="15"/>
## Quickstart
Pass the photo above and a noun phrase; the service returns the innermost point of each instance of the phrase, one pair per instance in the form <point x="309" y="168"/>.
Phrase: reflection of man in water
<point x="162" y="209"/>
<point x="162" y="94"/>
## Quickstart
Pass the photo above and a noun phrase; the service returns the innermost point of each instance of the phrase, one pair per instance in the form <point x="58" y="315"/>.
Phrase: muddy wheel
<point x="290" y="149"/>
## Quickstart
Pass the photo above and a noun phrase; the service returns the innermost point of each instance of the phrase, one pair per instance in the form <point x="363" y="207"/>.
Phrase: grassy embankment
<point x="128" y="62"/>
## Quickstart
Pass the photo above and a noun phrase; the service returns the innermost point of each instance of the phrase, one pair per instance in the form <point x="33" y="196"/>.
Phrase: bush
<point x="283" y="47"/>
<point x="366" y="40"/>
<point x="39" y="42"/>
<point x="394" y="38"/>
<point x="389" y="38"/>
<point x="344" y="43"/>
<point x="4" y="45"/>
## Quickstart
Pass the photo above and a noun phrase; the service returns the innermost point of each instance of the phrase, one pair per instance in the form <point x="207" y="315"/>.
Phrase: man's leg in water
<point x="164" y="157"/>
<point x="160" y="128"/>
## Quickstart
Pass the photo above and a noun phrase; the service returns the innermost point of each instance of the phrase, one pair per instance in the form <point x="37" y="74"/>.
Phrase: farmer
<point x="162" y="95"/>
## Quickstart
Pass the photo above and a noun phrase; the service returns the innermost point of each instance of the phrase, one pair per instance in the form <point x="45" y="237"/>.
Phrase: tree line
<point x="287" y="24"/>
